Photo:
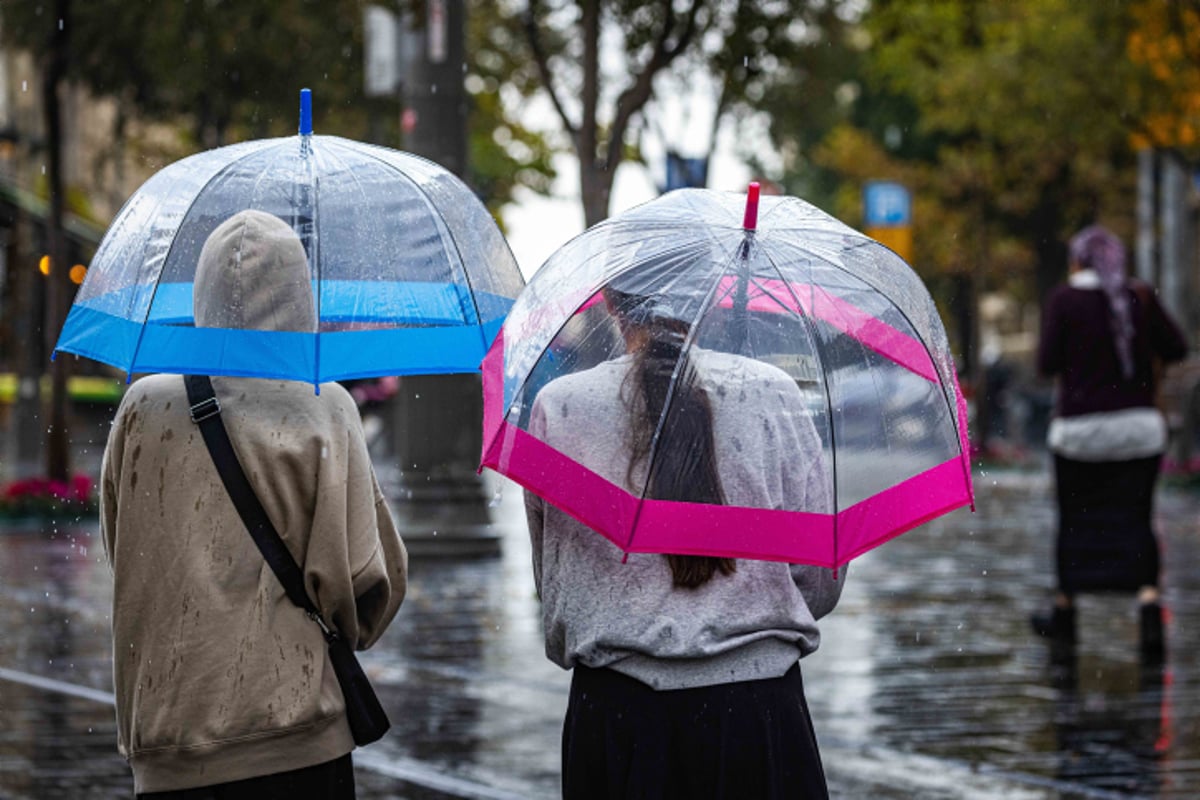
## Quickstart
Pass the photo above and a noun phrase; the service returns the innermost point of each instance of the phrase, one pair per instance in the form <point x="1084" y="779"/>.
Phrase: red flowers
<point x="48" y="498"/>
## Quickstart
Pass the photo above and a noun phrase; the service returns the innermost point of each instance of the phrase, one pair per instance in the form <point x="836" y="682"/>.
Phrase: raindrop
<point x="60" y="24"/>
<point x="985" y="572"/>
<point x="24" y="86"/>
<point x="44" y="172"/>
<point x="746" y="61"/>
<point x="497" y="496"/>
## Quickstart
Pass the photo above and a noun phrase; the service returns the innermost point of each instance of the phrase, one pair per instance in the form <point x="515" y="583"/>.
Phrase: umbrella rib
<point x="950" y="406"/>
<point x="816" y="340"/>
<point x="662" y="417"/>
<point x="944" y="386"/>
<point x="466" y="275"/>
<point x="167" y="256"/>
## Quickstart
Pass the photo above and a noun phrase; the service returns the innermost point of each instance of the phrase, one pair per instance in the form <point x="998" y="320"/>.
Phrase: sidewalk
<point x="928" y="683"/>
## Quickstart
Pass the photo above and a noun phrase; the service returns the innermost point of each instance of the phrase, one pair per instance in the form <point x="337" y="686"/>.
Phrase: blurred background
<point x="973" y="138"/>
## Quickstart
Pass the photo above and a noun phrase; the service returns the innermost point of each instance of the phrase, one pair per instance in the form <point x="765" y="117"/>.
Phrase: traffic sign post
<point x="887" y="216"/>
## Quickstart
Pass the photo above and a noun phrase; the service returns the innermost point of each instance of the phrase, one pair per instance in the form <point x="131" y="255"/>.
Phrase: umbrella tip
<point x="750" y="221"/>
<point x="306" y="112"/>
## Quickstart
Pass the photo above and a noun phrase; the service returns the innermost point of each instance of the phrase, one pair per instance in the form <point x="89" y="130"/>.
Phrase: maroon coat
<point x="1077" y="345"/>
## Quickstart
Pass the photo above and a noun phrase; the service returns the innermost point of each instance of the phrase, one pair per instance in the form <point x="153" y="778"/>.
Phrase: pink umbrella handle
<point x="750" y="221"/>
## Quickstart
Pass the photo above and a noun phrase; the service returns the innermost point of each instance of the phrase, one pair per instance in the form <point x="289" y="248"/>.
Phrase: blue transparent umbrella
<point x="410" y="273"/>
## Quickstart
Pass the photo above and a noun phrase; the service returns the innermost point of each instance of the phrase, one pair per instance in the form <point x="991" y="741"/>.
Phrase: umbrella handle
<point x="750" y="220"/>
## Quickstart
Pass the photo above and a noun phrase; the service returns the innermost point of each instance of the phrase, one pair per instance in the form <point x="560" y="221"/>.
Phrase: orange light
<point x="77" y="274"/>
<point x="44" y="265"/>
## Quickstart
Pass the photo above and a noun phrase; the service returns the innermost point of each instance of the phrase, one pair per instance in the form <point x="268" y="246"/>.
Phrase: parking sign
<point x="887" y="204"/>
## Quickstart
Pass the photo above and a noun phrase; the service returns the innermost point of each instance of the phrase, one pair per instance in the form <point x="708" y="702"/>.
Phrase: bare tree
<point x="655" y="36"/>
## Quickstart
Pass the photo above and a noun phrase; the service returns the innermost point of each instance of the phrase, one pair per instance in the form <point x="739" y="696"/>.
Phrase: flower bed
<point x="42" y="498"/>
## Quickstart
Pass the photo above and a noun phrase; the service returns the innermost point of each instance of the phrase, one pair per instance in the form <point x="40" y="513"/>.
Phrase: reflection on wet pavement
<point x="928" y="682"/>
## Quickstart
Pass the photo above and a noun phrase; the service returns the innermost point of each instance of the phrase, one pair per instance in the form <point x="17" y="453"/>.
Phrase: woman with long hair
<point x="1102" y="335"/>
<point x="686" y="678"/>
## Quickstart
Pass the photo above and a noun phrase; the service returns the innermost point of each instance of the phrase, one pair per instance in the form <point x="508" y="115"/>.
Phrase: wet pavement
<point x="928" y="683"/>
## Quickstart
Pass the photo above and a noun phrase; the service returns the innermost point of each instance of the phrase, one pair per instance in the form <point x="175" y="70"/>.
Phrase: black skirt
<point x="622" y="739"/>
<point x="1105" y="539"/>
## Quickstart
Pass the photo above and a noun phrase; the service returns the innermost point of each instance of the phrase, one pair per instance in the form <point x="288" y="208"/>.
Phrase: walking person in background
<point x="686" y="680"/>
<point x="223" y="685"/>
<point x="1103" y="336"/>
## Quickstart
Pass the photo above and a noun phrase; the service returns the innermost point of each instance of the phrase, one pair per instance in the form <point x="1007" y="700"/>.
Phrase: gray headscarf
<point x="253" y="274"/>
<point x="1098" y="249"/>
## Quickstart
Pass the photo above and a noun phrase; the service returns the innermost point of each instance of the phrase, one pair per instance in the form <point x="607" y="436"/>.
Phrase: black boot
<point x="1153" y="639"/>
<point x="1058" y="624"/>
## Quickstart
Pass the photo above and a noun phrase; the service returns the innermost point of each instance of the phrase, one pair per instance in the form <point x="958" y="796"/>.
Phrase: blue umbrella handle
<point x="306" y="128"/>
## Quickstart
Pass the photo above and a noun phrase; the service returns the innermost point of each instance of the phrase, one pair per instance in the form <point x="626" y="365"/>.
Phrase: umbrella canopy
<point x="831" y="395"/>
<point x="410" y="274"/>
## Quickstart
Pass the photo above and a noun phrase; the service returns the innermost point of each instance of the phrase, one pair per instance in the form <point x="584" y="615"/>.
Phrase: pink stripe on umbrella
<point x="901" y="508"/>
<point x="493" y="391"/>
<point x="774" y="296"/>
<point x="701" y="529"/>
<point x="766" y="534"/>
<point x="589" y="498"/>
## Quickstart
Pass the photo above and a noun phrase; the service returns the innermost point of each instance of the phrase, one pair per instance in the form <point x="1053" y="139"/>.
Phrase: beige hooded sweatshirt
<point x="218" y="676"/>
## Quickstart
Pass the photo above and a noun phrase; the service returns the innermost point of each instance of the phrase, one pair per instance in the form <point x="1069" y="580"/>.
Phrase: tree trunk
<point x="58" y="455"/>
<point x="25" y="441"/>
<point x="595" y="181"/>
<point x="594" y="185"/>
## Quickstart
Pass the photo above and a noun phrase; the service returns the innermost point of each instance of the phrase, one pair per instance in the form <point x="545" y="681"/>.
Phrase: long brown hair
<point x="684" y="465"/>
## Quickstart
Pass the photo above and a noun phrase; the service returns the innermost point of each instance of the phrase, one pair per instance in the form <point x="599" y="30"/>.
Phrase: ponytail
<point x="684" y="466"/>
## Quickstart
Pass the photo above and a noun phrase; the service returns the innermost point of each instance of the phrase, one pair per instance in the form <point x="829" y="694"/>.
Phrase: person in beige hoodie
<point x="222" y="682"/>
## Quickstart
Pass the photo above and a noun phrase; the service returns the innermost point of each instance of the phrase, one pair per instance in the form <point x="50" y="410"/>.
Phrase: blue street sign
<point x="683" y="173"/>
<point x="887" y="203"/>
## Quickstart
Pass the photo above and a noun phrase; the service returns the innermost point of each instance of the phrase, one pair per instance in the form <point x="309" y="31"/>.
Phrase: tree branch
<point x="542" y="61"/>
<point x="636" y="96"/>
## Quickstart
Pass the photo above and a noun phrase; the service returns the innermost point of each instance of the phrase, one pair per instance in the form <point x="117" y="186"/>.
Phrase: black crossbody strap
<point x="206" y="413"/>
<point x="365" y="715"/>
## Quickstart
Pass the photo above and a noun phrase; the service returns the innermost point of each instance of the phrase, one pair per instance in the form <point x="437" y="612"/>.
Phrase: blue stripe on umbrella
<point x="367" y="302"/>
<point x="275" y="354"/>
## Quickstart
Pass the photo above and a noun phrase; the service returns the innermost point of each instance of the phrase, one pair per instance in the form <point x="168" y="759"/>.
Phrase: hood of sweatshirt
<point x="253" y="274"/>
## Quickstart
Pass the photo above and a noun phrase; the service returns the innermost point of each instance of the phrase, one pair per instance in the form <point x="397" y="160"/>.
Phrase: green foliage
<point x="231" y="70"/>
<point x="219" y="62"/>
<point x="1010" y="121"/>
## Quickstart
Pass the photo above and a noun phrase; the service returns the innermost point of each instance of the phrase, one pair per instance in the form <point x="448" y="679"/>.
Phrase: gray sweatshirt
<point x="601" y="612"/>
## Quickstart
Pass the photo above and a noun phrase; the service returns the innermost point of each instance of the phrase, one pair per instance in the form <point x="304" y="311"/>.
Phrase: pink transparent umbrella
<point x="835" y="414"/>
